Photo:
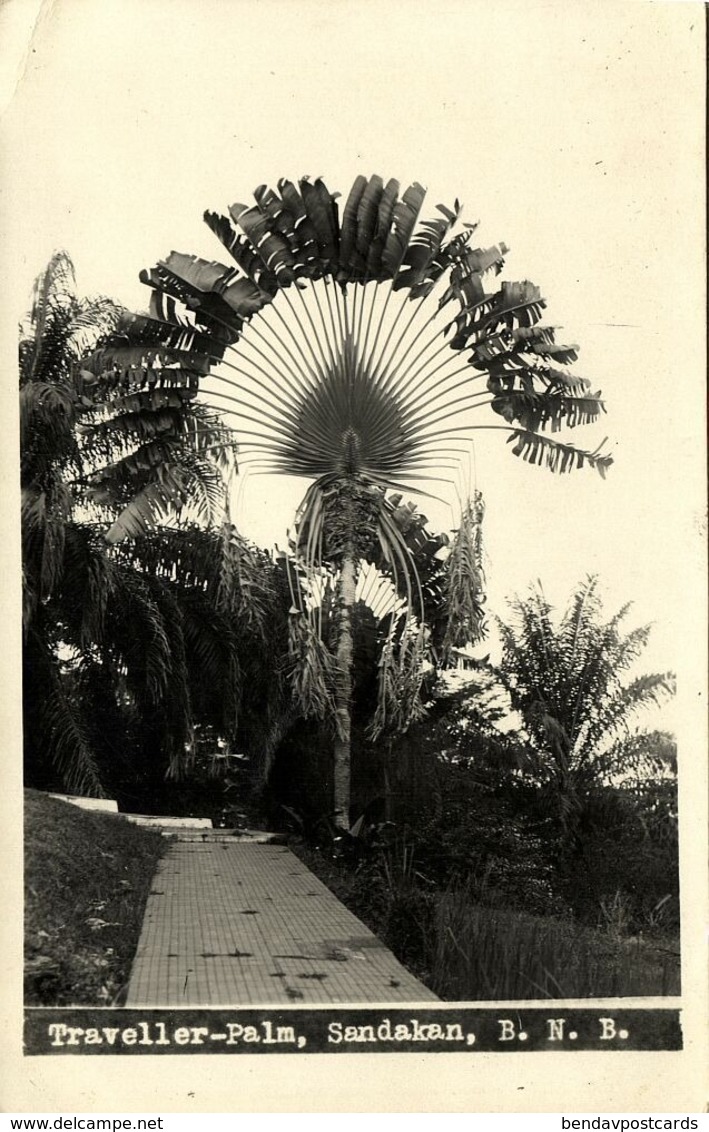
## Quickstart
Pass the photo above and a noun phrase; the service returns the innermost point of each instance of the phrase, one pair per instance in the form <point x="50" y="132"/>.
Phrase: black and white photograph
<point x="355" y="555"/>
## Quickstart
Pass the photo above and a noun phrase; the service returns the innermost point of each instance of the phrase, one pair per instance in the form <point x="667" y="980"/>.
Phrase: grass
<point x="87" y="878"/>
<point x="467" y="951"/>
<point x="477" y="952"/>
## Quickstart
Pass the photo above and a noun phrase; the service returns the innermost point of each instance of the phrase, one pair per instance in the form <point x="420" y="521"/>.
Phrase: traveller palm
<point x="355" y="349"/>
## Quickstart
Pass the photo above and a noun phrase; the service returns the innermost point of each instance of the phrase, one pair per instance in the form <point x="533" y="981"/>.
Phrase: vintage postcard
<point x="354" y="557"/>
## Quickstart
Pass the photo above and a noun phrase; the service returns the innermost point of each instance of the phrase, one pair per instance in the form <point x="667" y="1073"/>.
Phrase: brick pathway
<point x="240" y="924"/>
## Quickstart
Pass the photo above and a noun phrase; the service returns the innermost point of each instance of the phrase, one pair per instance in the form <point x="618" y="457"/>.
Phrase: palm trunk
<point x="343" y="691"/>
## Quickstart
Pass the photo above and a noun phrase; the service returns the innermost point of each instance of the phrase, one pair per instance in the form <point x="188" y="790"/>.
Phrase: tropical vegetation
<point x="508" y="828"/>
<point x="532" y="847"/>
<point x="354" y="349"/>
<point x="144" y="615"/>
<point x="569" y="682"/>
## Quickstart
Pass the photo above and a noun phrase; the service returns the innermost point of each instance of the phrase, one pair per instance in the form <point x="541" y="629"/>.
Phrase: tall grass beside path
<point x="478" y="952"/>
<point x="467" y="950"/>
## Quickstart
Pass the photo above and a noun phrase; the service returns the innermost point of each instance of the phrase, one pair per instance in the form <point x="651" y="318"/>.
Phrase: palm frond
<point x="649" y="690"/>
<point x="245" y="584"/>
<point x="44" y="515"/>
<point x="464" y="585"/>
<point x="558" y="457"/>
<point x="638" y="756"/>
<point x="400" y="679"/>
<point x="312" y="676"/>
<point x="337" y="379"/>
<point x="567" y="680"/>
<point x="68" y="742"/>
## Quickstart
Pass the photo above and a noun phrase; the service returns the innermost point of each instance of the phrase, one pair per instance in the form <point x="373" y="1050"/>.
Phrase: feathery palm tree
<point x="101" y="462"/>
<point x="230" y="603"/>
<point x="128" y="459"/>
<point x="568" y="680"/>
<point x="354" y="349"/>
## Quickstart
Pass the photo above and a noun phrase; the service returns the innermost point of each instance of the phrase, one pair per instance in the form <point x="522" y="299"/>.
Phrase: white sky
<point x="573" y="131"/>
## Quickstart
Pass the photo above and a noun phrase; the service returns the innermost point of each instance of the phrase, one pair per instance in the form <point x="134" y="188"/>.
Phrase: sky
<point x="572" y="131"/>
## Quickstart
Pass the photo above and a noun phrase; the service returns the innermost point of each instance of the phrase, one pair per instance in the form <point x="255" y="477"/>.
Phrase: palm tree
<point x="568" y="680"/>
<point x="228" y="603"/>
<point x="354" y="350"/>
<point x="102" y="461"/>
<point x="126" y="458"/>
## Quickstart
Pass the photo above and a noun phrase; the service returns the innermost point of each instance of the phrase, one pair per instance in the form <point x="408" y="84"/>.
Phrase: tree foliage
<point x="133" y="631"/>
<point x="570" y="680"/>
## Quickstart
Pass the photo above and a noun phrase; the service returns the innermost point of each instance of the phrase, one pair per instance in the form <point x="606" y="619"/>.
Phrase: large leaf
<point x="270" y="245"/>
<point x="405" y="214"/>
<point x="540" y="340"/>
<point x="385" y="213"/>
<point x="352" y="262"/>
<point x="538" y="409"/>
<point x="321" y="208"/>
<point x="243" y="253"/>
<point x="558" y="457"/>
<point x="424" y="263"/>
<point x="242" y="295"/>
<point x="210" y="311"/>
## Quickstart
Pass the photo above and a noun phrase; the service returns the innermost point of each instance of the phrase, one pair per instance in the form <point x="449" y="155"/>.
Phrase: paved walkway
<point x="229" y="924"/>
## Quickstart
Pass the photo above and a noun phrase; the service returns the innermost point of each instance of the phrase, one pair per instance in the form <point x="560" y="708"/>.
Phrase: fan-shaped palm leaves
<point x="355" y="347"/>
<point x="568" y="680"/>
